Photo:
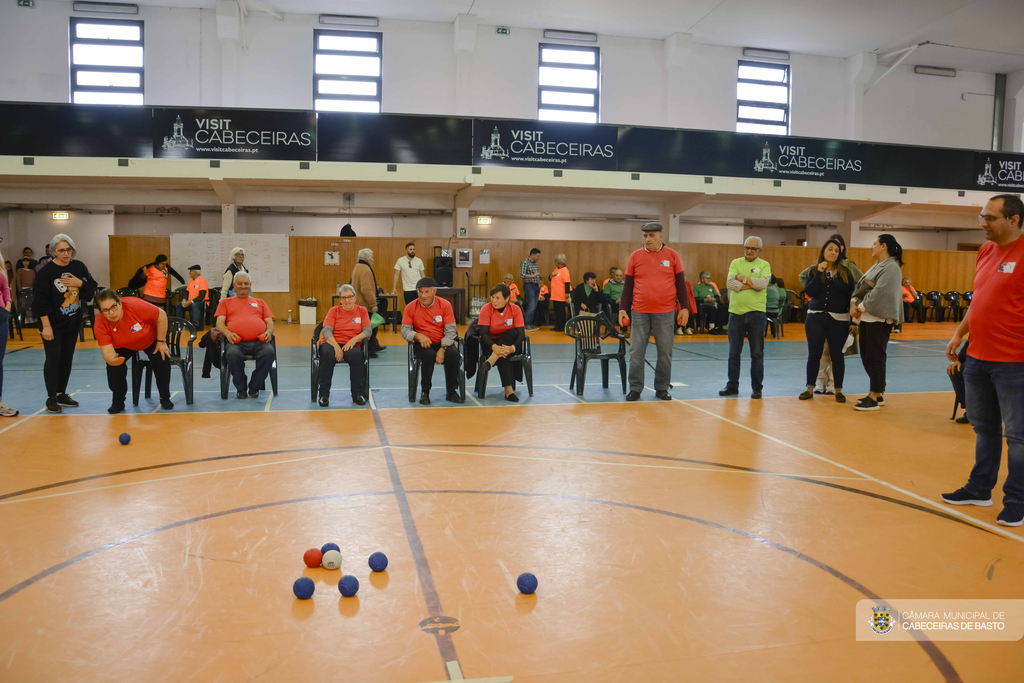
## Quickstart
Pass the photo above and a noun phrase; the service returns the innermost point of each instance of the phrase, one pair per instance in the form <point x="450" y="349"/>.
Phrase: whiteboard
<point x="266" y="257"/>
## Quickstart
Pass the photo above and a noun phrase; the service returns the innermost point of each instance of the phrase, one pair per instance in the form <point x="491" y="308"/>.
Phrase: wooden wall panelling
<point x="128" y="253"/>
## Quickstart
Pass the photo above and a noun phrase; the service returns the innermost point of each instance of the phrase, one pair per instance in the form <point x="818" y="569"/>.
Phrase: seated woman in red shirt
<point x="345" y="328"/>
<point x="910" y="301"/>
<point x="128" y="326"/>
<point x="502" y="332"/>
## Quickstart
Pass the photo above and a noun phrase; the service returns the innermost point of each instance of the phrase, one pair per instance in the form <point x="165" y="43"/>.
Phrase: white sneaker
<point x="6" y="410"/>
<point x="688" y="331"/>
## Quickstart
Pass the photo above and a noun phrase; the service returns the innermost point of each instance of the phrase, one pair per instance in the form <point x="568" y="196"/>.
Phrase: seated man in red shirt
<point x="345" y="327"/>
<point x="502" y="331"/>
<point x="198" y="295"/>
<point x="248" y="325"/>
<point x="429" y="323"/>
<point x="125" y="327"/>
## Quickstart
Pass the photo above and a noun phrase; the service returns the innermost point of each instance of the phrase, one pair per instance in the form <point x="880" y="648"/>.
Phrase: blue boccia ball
<point x="329" y="546"/>
<point x="348" y="586"/>
<point x="527" y="583"/>
<point x="124" y="438"/>
<point x="378" y="562"/>
<point x="303" y="588"/>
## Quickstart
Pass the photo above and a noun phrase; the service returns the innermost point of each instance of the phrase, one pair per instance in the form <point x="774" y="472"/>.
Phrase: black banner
<point x="234" y="134"/>
<point x="544" y="144"/>
<point x="394" y="138"/>
<point x="75" y="130"/>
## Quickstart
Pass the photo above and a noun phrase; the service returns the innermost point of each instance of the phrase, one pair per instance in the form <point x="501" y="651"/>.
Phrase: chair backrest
<point x="316" y="338"/>
<point x="179" y="294"/>
<point x="128" y="291"/>
<point x="25" y="298"/>
<point x="175" y="328"/>
<point x="935" y="297"/>
<point x="952" y="297"/>
<point x="213" y="297"/>
<point x="589" y="330"/>
<point x="968" y="296"/>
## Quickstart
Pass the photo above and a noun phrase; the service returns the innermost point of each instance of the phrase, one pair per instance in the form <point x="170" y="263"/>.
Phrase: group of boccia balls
<point x="329" y="557"/>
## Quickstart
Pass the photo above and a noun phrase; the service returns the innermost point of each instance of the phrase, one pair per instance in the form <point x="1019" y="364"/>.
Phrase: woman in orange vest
<point x="560" y="286"/>
<point x="157" y="280"/>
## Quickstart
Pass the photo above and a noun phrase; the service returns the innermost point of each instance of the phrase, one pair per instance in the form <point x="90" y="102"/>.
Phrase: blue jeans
<point x="751" y="325"/>
<point x="995" y="394"/>
<point x="196" y="312"/>
<point x="532" y="293"/>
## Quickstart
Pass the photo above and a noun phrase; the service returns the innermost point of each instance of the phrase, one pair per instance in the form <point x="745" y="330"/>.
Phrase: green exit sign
<point x="500" y="31"/>
<point x="26" y="3"/>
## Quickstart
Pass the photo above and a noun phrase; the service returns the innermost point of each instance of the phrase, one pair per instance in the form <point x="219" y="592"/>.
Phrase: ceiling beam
<point x="683" y="202"/>
<point x="866" y="211"/>
<point x="465" y="197"/>
<point x="225" y="193"/>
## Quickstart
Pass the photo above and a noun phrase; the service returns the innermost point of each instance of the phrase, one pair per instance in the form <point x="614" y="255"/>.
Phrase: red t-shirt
<point x="156" y="283"/>
<point x="559" y="280"/>
<point x="997" y="309"/>
<point x="502" y="322"/>
<point x="654" y="279"/>
<point x="136" y="330"/>
<point x="429" y="321"/>
<point x="245" y="317"/>
<point x="347" y="324"/>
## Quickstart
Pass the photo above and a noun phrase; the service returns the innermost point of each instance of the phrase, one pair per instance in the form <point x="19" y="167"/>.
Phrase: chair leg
<point x="273" y="377"/>
<point x="622" y="372"/>
<point x="481" y="378"/>
<point x="604" y="373"/>
<point x="581" y="374"/>
<point x="528" y="372"/>
<point x="187" y="377"/>
<point x="223" y="378"/>
<point x="414" y="373"/>
<point x="572" y="377"/>
<point x="149" y="381"/>
<point x="314" y="377"/>
<point x="136" y="381"/>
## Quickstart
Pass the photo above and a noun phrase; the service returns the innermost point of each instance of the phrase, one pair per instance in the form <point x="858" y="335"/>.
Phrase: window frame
<point x="787" y="82"/>
<point x="75" y="68"/>
<point x="379" y="79"/>
<point x="596" y="91"/>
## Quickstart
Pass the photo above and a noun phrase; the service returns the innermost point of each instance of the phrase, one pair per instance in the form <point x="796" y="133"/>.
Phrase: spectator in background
<point x="994" y="370"/>
<point x="198" y="294"/>
<point x="748" y="279"/>
<point x="26" y="262"/>
<point x="586" y="298"/>
<point x="828" y="316"/>
<point x="236" y="266"/>
<point x="771" y="293"/>
<point x="157" y="279"/>
<point x="410" y="269"/>
<point x="365" y="283"/>
<point x="612" y="290"/>
<point x="560" y="287"/>
<point x="543" y="306"/>
<point x="248" y="325"/>
<point x="910" y="301"/>
<point x="780" y="284"/>
<point x="5" y="316"/>
<point x="529" y="273"/>
<point x="513" y="290"/>
<point x="708" y="298"/>
<point x="63" y="285"/>
<point x="877" y="306"/>
<point x="44" y="260"/>
<point x="501" y="335"/>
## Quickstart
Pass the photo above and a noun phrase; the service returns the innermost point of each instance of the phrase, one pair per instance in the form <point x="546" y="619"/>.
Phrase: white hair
<point x="235" y="252"/>
<point x="365" y="255"/>
<point x="760" y="244"/>
<point x="560" y="258"/>
<point x="347" y="288"/>
<point x="61" y="237"/>
<point x="239" y="274"/>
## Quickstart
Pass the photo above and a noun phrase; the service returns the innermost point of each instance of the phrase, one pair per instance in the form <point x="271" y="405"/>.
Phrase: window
<point x="569" y="83"/>
<point x="762" y="98"/>
<point x="346" y="70"/>
<point x="106" y="61"/>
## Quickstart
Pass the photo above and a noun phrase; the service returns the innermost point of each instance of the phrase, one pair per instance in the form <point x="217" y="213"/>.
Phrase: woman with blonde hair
<point x="5" y="321"/>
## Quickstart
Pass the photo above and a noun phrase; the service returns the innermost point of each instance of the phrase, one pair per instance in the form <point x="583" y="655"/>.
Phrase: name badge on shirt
<point x="254" y="305"/>
<point x="137" y="327"/>
<point x="357" y="320"/>
<point x="665" y="263"/>
<point x="437" y="318"/>
<point x="1007" y="267"/>
<point x="755" y="271"/>
<point x="508" y="322"/>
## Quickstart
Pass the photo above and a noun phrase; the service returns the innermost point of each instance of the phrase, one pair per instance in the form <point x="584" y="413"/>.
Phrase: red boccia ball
<point x="313" y="557"/>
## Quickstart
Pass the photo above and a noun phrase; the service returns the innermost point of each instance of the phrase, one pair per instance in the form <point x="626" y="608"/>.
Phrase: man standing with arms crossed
<point x="994" y="371"/>
<point x="654" y="281"/>
<point x="529" y="271"/>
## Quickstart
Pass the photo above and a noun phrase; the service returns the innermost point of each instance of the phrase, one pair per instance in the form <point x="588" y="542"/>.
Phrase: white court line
<point x="186" y="476"/>
<point x="157" y="409"/>
<point x="951" y="510"/>
<point x="566" y="391"/>
<point x="455" y="674"/>
<point x="620" y="464"/>
<point x="270" y="398"/>
<point x="478" y="403"/>
<point x="22" y="420"/>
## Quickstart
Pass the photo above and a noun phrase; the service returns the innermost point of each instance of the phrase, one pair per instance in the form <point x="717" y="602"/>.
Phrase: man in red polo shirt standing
<point x="128" y="326"/>
<point x="654" y="281"/>
<point x="429" y="323"/>
<point x="994" y="371"/>
<point x="248" y="325"/>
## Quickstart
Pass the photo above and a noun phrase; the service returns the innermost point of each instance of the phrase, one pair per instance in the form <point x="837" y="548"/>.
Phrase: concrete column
<point x="860" y="68"/>
<point x="228" y="218"/>
<point x="676" y="51"/>
<point x="464" y="44"/>
<point x="460" y="219"/>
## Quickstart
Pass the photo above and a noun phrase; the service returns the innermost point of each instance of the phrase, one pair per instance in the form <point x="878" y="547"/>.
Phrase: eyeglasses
<point x="67" y="250"/>
<point x="985" y="218"/>
<point x="110" y="309"/>
<point x="751" y="248"/>
<point x="347" y="297"/>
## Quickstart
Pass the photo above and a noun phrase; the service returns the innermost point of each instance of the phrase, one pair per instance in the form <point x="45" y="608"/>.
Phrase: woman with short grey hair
<point x="236" y="266"/>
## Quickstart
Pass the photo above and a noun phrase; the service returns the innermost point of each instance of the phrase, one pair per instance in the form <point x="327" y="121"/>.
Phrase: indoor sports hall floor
<point x="697" y="539"/>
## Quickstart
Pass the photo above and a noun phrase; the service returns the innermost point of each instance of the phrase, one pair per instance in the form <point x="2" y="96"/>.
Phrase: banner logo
<point x="765" y="164"/>
<point x="495" y="151"/>
<point x="987" y="178"/>
<point x="177" y="140"/>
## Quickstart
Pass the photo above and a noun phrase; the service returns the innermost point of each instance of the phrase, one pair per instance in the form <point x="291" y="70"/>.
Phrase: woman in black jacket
<point x="62" y="286"/>
<point x="830" y="287"/>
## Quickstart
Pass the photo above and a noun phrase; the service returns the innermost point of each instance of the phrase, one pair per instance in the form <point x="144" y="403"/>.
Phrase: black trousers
<point x="873" y="339"/>
<point x="117" y="375"/>
<point x="354" y="358"/>
<point x="263" y="352"/>
<point x="822" y="327"/>
<point x="60" y="352"/>
<point x="917" y="306"/>
<point x="409" y="297"/>
<point x="428" y="357"/>
<point x="560" y="309"/>
<point x="504" y="365"/>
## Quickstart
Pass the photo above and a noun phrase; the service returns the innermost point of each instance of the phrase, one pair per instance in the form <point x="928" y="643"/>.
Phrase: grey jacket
<point x="884" y="299"/>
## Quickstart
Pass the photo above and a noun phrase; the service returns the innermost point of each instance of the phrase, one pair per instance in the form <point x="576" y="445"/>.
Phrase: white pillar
<point x="464" y="44"/>
<point x="228" y="30"/>
<point x="860" y="69"/>
<point x="228" y="218"/>
<point x="675" y="51"/>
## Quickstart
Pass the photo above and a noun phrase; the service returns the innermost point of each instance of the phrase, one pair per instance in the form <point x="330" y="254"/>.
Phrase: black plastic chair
<point x="588" y="331"/>
<point x="414" y="369"/>
<point x="88" y="319"/>
<point x="314" y="363"/>
<point x="24" y="305"/>
<point x="956" y="307"/>
<point x="937" y="310"/>
<point x="141" y="365"/>
<point x="213" y="298"/>
<point x="525" y="357"/>
<point x="128" y="291"/>
<point x="225" y="376"/>
<point x="14" y="321"/>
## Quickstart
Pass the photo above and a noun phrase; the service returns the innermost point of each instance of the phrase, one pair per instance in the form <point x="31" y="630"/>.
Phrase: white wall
<point x="158" y="224"/>
<point x="185" y="66"/>
<point x="89" y="232"/>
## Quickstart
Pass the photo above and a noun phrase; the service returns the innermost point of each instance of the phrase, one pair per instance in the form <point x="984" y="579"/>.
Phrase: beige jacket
<point x="365" y="286"/>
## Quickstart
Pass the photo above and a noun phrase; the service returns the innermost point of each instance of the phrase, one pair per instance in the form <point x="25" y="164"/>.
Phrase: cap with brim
<point x="195" y="267"/>
<point x="426" y="282"/>
<point x="653" y="226"/>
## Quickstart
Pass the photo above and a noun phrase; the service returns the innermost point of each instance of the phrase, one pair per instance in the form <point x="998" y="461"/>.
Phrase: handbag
<point x="376" y="319"/>
<point x="852" y="345"/>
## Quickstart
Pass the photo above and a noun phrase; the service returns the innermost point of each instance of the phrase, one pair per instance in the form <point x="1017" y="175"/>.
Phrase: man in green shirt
<point x="613" y="290"/>
<point x="748" y="279"/>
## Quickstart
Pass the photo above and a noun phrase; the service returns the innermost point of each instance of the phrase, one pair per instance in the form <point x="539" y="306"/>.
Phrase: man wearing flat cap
<point x="429" y="323"/>
<point x="198" y="295"/>
<point x="654" y="282"/>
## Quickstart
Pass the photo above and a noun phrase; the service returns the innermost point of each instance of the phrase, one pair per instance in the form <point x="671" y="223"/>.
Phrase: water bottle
<point x="289" y="316"/>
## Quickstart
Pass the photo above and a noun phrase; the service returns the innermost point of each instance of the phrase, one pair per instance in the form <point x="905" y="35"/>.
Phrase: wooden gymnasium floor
<point x="699" y="539"/>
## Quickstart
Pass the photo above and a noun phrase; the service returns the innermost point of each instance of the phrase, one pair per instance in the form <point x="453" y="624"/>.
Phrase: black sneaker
<point x="241" y="394"/>
<point x="254" y="393"/>
<point x="324" y="401"/>
<point x="633" y="396"/>
<point x="115" y="408"/>
<point x="880" y="401"/>
<point x="454" y="397"/>
<point x="1012" y="515"/>
<point x="866" y="403"/>
<point x="424" y="400"/>
<point x="756" y="394"/>
<point x="963" y="420"/>
<point x="52" y="406"/>
<point x="65" y="400"/>
<point x="729" y="391"/>
<point x="359" y="400"/>
<point x="962" y="497"/>
<point x="166" y="404"/>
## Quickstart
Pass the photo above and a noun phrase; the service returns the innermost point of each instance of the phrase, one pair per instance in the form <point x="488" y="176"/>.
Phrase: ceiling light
<point x="570" y="35"/>
<point x="345" y="20"/>
<point x="758" y="53"/>
<point x="935" y="71"/>
<point x="105" y="7"/>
